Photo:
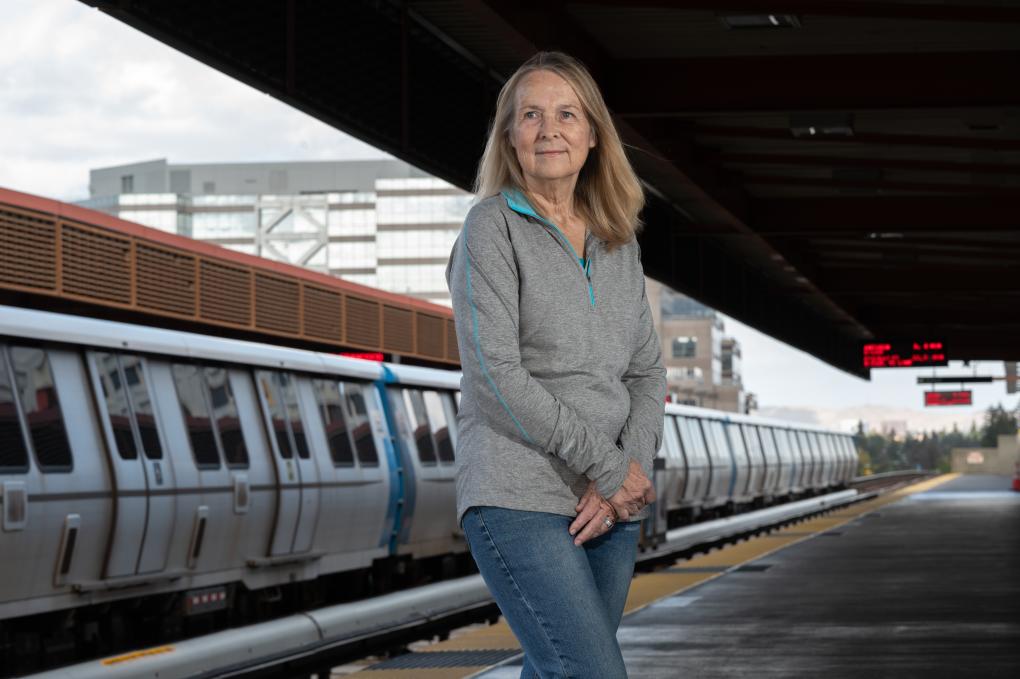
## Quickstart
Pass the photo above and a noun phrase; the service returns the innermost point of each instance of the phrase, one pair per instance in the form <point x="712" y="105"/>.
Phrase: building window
<point x="685" y="347"/>
<point x="127" y="184"/>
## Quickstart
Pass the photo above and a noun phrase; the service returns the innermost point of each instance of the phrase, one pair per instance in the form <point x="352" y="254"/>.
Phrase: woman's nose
<point x="548" y="128"/>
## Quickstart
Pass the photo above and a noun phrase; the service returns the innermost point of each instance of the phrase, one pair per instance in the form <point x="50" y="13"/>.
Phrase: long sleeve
<point x="484" y="288"/>
<point x="646" y="381"/>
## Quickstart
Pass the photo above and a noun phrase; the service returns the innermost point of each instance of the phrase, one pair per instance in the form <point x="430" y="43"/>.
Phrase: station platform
<point x="921" y="582"/>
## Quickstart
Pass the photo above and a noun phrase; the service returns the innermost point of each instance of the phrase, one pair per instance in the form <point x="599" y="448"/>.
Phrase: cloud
<point x="81" y="90"/>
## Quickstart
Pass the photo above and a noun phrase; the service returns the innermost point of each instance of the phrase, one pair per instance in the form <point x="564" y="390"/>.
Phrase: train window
<point x="805" y="449"/>
<point x="297" y="427"/>
<point x="191" y="395"/>
<point x="13" y="448"/>
<point x="670" y="444"/>
<point x="141" y="403"/>
<point x="327" y="395"/>
<point x="692" y="439"/>
<point x="359" y="422"/>
<point x="226" y="418"/>
<point x="736" y="442"/>
<point x="440" y="425"/>
<point x="41" y="408"/>
<point x="116" y="405"/>
<point x="716" y="438"/>
<point x="753" y="444"/>
<point x="277" y="413"/>
<point x="825" y="443"/>
<point x="768" y="444"/>
<point x="415" y="405"/>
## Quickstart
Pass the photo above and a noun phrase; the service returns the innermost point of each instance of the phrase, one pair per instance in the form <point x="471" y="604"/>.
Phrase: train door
<point x="773" y="464"/>
<point x="297" y="479"/>
<point x="811" y="461"/>
<point x="698" y="465"/>
<point x="743" y="464"/>
<point x="145" y="500"/>
<point x="675" y="472"/>
<point x="35" y="460"/>
<point x="724" y="466"/>
<point x="759" y="467"/>
<point x="426" y="449"/>
<point x="800" y="461"/>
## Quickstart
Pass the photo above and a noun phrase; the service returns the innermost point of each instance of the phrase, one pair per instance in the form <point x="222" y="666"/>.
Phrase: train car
<point x="717" y="463"/>
<point x="156" y="484"/>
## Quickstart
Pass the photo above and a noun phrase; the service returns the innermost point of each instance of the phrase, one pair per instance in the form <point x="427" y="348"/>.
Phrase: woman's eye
<point x="531" y="114"/>
<point x="568" y="114"/>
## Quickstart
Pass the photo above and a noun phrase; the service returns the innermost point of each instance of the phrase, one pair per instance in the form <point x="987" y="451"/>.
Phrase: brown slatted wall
<point x="164" y="280"/>
<point x="362" y="321"/>
<point x="40" y="251"/>
<point x="323" y="316"/>
<point x="398" y="332"/>
<point x="277" y="304"/>
<point x="430" y="335"/>
<point x="96" y="265"/>
<point x="225" y="293"/>
<point x="28" y="251"/>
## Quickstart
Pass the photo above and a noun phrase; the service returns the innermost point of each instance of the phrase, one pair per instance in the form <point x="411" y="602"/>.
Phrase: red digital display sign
<point x="364" y="355"/>
<point x="903" y="354"/>
<point x="948" y="398"/>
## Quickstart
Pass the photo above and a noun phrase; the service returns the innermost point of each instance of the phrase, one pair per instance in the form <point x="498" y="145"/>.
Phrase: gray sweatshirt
<point x="562" y="374"/>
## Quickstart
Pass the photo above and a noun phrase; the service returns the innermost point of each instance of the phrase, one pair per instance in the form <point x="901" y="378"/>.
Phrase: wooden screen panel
<point x="225" y="293"/>
<point x="362" y="321"/>
<point x="164" y="280"/>
<point x="430" y="335"/>
<point x="277" y="304"/>
<point x="398" y="333"/>
<point x="323" y="316"/>
<point x="96" y="265"/>
<point x="28" y="251"/>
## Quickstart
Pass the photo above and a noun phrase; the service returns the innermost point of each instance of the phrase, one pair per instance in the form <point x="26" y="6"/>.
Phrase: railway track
<point x="311" y="643"/>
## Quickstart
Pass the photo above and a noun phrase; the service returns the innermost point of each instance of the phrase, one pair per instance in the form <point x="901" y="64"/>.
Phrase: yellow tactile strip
<point x="650" y="587"/>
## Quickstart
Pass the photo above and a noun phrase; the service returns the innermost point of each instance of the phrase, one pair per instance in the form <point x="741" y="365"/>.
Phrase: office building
<point x="382" y="223"/>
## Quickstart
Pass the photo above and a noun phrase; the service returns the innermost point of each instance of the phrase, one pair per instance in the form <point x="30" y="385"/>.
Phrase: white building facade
<point x="381" y="223"/>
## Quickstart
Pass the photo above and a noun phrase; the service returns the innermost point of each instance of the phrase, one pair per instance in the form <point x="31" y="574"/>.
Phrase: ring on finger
<point x="607" y="522"/>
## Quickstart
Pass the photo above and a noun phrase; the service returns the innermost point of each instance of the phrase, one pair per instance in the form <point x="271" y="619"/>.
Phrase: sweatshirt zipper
<point x="585" y="268"/>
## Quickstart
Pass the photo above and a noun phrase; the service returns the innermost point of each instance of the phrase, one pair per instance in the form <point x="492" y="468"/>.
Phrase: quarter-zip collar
<point x="519" y="203"/>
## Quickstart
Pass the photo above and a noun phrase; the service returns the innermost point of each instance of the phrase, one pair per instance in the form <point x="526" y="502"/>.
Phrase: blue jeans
<point x="563" y="602"/>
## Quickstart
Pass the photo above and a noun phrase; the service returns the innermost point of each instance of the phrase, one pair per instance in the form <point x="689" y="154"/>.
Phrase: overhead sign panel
<point x="948" y="398"/>
<point x="901" y="354"/>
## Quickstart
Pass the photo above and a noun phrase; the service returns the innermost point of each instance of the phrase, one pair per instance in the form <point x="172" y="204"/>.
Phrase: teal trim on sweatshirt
<point x="478" y="344"/>
<point x="519" y="203"/>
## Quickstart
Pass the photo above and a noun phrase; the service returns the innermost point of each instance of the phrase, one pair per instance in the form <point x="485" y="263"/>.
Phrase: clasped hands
<point x="593" y="509"/>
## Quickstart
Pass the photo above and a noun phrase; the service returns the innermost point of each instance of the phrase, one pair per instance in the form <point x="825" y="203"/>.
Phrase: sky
<point x="80" y="90"/>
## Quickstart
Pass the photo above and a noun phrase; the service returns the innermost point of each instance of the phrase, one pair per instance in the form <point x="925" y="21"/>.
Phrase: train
<point x="157" y="484"/>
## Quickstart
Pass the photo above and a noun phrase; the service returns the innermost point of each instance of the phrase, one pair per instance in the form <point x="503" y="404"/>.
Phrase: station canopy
<point x="828" y="172"/>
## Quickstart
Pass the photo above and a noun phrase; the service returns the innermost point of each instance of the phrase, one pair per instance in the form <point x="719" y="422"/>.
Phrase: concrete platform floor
<point x="921" y="582"/>
<point x="925" y="587"/>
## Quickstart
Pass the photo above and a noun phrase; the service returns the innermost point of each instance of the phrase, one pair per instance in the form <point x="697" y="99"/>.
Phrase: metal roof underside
<point x="901" y="228"/>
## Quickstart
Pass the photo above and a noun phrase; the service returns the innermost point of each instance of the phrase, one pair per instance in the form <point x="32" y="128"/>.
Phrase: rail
<point x="313" y="641"/>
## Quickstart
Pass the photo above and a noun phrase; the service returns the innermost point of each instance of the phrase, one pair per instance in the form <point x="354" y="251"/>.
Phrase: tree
<point x="998" y="421"/>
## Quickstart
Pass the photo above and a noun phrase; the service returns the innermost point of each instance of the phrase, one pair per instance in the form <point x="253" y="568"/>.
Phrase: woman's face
<point x="550" y="132"/>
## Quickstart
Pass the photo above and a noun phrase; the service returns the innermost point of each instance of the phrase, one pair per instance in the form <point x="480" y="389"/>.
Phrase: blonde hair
<point x="608" y="193"/>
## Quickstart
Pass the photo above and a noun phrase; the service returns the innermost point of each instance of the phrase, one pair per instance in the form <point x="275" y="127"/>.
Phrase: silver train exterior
<point x="137" y="462"/>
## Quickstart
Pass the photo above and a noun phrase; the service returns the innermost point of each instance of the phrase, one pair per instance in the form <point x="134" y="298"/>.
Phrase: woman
<point x="563" y="390"/>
